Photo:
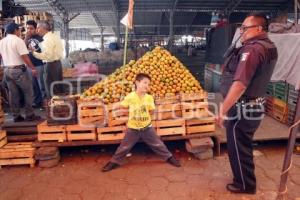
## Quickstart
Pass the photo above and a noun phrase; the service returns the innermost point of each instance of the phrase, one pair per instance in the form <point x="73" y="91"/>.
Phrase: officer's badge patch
<point x="245" y="56"/>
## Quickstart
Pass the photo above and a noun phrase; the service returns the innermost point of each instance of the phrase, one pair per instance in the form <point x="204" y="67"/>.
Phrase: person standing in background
<point x="52" y="53"/>
<point x="33" y="41"/>
<point x="14" y="56"/>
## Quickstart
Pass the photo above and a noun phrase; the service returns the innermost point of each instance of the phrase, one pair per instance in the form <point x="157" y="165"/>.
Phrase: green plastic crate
<point x="281" y="86"/>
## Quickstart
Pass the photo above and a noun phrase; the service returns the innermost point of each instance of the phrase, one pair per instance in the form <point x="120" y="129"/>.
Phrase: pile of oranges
<point x="168" y="77"/>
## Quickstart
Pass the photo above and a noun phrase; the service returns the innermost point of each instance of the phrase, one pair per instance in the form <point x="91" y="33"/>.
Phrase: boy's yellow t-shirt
<point x="139" y="107"/>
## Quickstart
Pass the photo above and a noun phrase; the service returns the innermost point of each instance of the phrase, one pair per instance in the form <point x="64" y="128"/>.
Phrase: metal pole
<point x="66" y="37"/>
<point x="125" y="46"/>
<point x="102" y="40"/>
<point x="118" y="29"/>
<point x="296" y="11"/>
<point x="288" y="155"/>
<point x="171" y="31"/>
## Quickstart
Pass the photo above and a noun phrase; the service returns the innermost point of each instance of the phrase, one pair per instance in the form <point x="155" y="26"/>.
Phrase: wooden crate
<point x="62" y="111"/>
<point x="17" y="154"/>
<point x="3" y="138"/>
<point x="170" y="127"/>
<point x="194" y="105"/>
<point x="51" y="133"/>
<point x="168" y="111"/>
<point x="91" y="113"/>
<point x="117" y="116"/>
<point x="77" y="132"/>
<point x="167" y="100"/>
<point x="277" y="109"/>
<point x="111" y="133"/>
<point x="200" y="125"/>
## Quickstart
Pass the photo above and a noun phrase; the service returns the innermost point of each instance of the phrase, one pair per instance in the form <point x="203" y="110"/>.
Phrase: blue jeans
<point x="38" y="85"/>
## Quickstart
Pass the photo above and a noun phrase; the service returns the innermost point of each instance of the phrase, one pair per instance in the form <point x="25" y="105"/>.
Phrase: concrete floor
<point x="144" y="176"/>
<point x="269" y="129"/>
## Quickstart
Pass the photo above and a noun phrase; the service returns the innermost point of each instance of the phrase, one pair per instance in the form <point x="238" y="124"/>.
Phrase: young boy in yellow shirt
<point x="139" y="125"/>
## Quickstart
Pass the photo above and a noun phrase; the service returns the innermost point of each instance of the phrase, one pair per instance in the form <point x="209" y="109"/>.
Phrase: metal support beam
<point x="192" y="21"/>
<point x="296" y="6"/>
<point x="163" y="26"/>
<point x="101" y="28"/>
<point x="102" y="41"/>
<point x="115" y="7"/>
<point x="232" y="6"/>
<point x="58" y="8"/>
<point x="118" y="30"/>
<point x="65" y="18"/>
<point x="159" y="23"/>
<point x="96" y="18"/>
<point x="171" y="30"/>
<point x="73" y="17"/>
<point x="66" y="37"/>
<point x="66" y="30"/>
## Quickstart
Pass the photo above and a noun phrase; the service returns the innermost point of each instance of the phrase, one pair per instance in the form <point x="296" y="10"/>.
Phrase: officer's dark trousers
<point x="148" y="136"/>
<point x="240" y="131"/>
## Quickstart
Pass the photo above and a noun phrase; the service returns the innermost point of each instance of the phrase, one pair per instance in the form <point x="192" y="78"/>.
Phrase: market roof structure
<point x="151" y="17"/>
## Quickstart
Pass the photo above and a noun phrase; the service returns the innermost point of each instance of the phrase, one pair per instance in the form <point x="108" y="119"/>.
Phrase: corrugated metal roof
<point x="150" y="16"/>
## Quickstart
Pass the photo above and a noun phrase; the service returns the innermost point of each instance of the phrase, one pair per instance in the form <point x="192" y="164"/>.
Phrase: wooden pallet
<point x="117" y="116"/>
<point x="167" y="100"/>
<point x="3" y="138"/>
<point x="170" y="127"/>
<point x="194" y="105"/>
<point x="77" y="132"/>
<point x="51" y="133"/>
<point x="91" y="113"/>
<point x="111" y="133"/>
<point x="200" y="125"/>
<point x="17" y="154"/>
<point x="168" y="111"/>
<point x="61" y="111"/>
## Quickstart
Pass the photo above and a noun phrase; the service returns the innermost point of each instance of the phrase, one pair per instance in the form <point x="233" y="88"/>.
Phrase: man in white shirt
<point x="14" y="55"/>
<point x="52" y="53"/>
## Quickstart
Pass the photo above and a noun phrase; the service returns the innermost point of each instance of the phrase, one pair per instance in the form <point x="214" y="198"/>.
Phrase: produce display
<point x="168" y="77"/>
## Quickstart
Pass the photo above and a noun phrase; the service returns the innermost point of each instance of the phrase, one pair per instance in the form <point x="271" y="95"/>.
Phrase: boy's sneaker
<point x="174" y="162"/>
<point x="110" y="166"/>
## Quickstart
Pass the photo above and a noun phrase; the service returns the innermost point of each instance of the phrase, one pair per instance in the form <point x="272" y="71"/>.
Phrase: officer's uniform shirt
<point x="252" y="57"/>
<point x="252" y="64"/>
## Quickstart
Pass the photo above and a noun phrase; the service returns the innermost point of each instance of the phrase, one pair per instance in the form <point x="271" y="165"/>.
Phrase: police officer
<point x="246" y="73"/>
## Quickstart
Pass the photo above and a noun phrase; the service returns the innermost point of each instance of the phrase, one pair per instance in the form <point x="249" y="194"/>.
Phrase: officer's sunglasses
<point x="245" y="28"/>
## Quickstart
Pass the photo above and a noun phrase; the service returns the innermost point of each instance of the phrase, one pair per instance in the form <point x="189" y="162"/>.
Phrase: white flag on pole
<point x="127" y="20"/>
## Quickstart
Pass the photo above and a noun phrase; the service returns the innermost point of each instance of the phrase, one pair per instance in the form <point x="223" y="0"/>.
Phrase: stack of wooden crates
<point x="179" y="115"/>
<point x="281" y="102"/>
<point x="21" y="153"/>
